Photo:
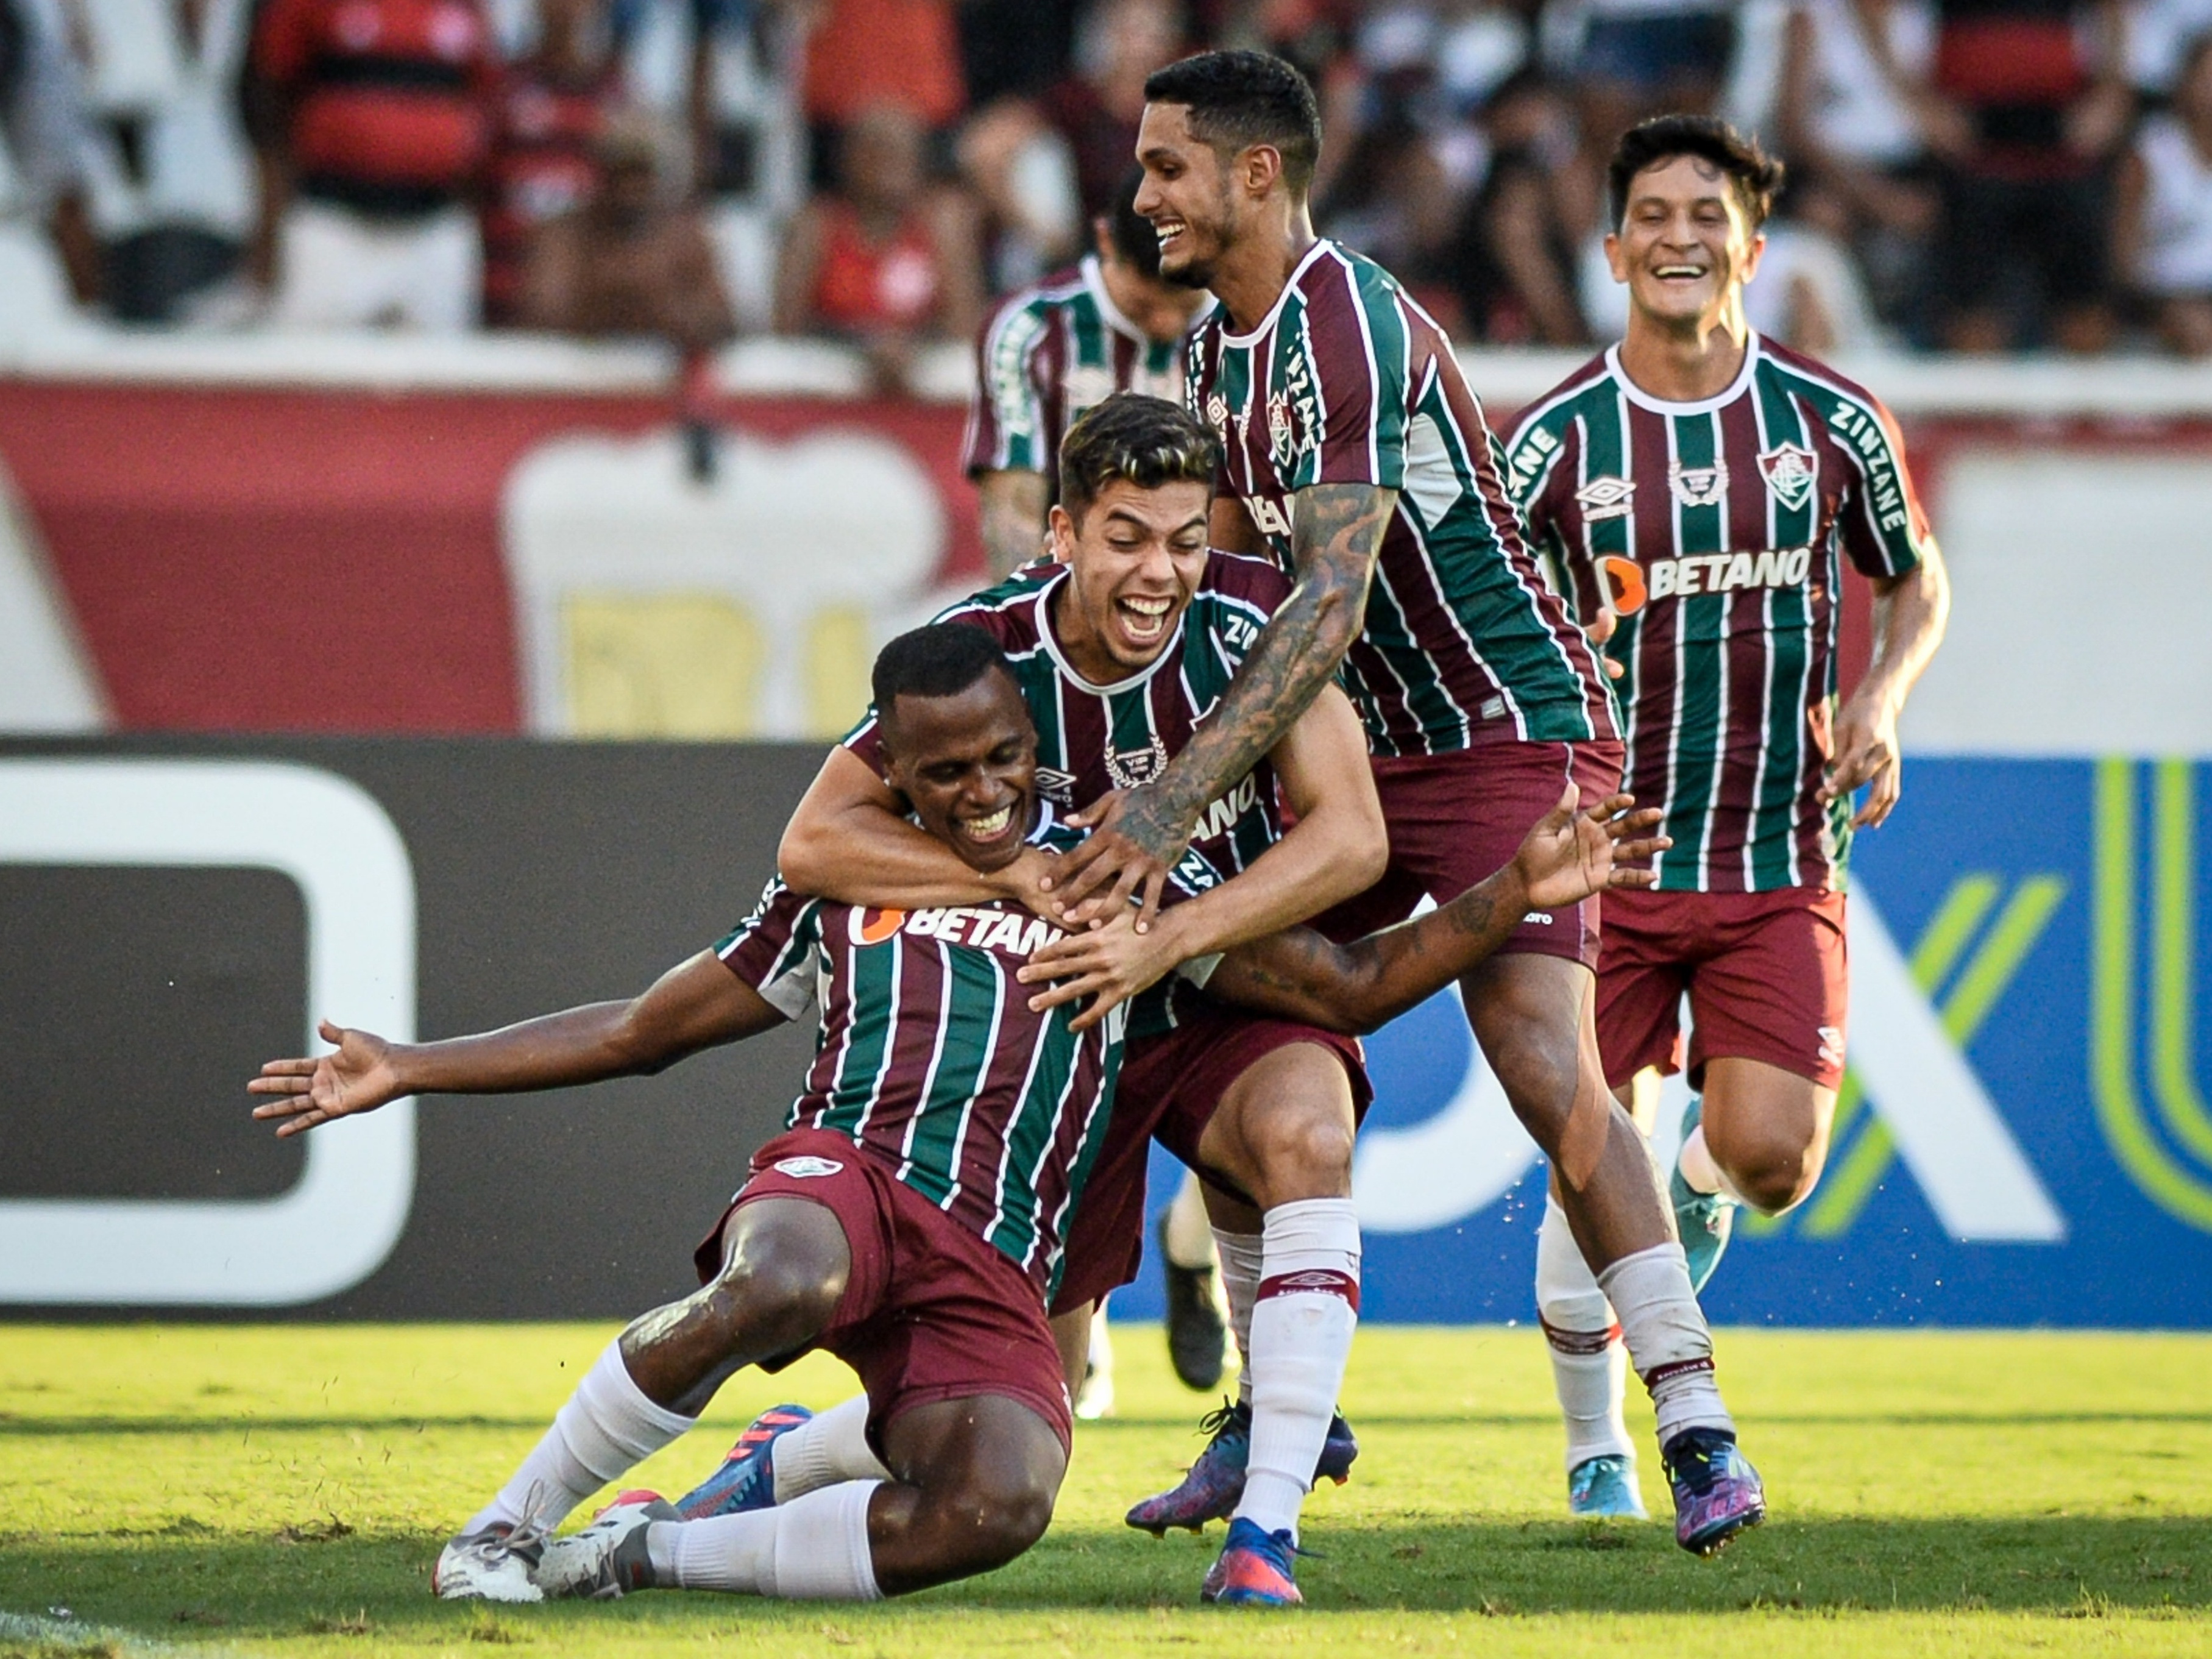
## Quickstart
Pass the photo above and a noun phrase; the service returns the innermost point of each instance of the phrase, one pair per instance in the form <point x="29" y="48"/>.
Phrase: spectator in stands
<point x="1640" y="57"/>
<point x="887" y="260"/>
<point x="2164" y="231"/>
<point x="552" y="108"/>
<point x="863" y="54"/>
<point x="1536" y="205"/>
<point x="371" y="118"/>
<point x="1808" y="294"/>
<point x="43" y="119"/>
<point x="1097" y="109"/>
<point x="630" y="260"/>
<point x="2027" y="105"/>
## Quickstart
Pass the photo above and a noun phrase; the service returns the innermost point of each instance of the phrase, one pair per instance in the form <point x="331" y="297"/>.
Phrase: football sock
<point x="1187" y="1237"/>
<point x="1589" y="1363"/>
<point x="829" y="1447"/>
<point x="1241" y="1255"/>
<point x="1702" y="1170"/>
<point x="607" y="1427"/>
<point x="1302" y="1319"/>
<point x="1100" y="1354"/>
<point x="815" y="1549"/>
<point x="1668" y="1342"/>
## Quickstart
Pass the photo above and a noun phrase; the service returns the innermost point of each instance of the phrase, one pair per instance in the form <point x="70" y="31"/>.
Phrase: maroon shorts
<point x="1765" y="973"/>
<point x="1168" y="1088"/>
<point x="930" y="1311"/>
<point x="1456" y="819"/>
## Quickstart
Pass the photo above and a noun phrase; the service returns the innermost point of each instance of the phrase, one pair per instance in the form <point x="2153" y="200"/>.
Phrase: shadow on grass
<point x="189" y="1587"/>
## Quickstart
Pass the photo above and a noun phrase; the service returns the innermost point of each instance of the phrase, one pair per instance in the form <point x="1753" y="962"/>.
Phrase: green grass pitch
<point x="258" y="1489"/>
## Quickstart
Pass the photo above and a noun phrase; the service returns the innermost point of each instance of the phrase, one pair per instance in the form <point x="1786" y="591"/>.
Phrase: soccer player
<point x="1358" y="459"/>
<point x="1698" y="482"/>
<point x="909" y="1220"/>
<point x="1050" y="352"/>
<point x="1047" y="355"/>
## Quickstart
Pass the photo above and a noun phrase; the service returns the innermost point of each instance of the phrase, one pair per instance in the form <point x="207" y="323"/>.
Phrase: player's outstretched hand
<point x="1570" y="855"/>
<point x="1867" y="753"/>
<point x="1108" y="964"/>
<point x="1601" y="629"/>
<point x="357" y="1077"/>
<point x="1130" y="849"/>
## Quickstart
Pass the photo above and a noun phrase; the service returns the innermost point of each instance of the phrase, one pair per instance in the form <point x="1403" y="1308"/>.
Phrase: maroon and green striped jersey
<point x="928" y="1057"/>
<point x="1048" y="354"/>
<point x="1716" y="528"/>
<point x="1093" y="739"/>
<point x="1346" y="381"/>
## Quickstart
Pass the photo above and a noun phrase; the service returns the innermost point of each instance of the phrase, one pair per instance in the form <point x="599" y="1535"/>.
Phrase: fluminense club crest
<point x="1790" y="472"/>
<point x="1698" y="486"/>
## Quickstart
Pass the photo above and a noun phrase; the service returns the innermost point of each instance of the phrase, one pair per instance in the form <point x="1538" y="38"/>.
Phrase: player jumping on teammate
<point x="1697" y="483"/>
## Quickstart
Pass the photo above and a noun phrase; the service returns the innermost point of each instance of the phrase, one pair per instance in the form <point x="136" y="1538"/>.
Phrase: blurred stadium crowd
<point x="1972" y="175"/>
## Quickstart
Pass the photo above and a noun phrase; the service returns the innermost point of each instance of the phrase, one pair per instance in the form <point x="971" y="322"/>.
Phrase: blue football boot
<point x="1704" y="1220"/>
<point x="1257" y="1569"/>
<point x="1215" y="1484"/>
<point x="1605" y="1485"/>
<point x="1716" y="1491"/>
<point x="746" y="1480"/>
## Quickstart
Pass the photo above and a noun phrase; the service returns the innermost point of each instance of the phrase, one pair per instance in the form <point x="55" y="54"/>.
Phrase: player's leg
<point x="1188" y="1260"/>
<point x="786" y="1262"/>
<point x="1094" y="1395"/>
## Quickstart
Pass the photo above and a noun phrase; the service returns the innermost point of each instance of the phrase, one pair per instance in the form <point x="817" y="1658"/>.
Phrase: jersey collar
<point x="1321" y="244"/>
<point x="1636" y="394"/>
<point x="1044" y="603"/>
<point x="1095" y="280"/>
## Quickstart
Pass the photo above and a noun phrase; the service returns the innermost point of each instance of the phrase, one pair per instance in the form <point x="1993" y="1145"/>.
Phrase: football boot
<point x="608" y="1559"/>
<point x="746" y="1478"/>
<point x="1255" y="1568"/>
<point x="1716" y="1491"/>
<point x="1215" y="1483"/>
<point x="1704" y="1221"/>
<point x="1606" y="1485"/>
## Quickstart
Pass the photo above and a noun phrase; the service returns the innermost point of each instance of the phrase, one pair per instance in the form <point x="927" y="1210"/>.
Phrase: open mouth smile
<point x="992" y="826"/>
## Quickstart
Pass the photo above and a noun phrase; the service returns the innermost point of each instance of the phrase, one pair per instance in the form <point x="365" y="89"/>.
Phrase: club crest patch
<point x="1128" y="767"/>
<point x="1698" y="486"/>
<point x="1605" y="498"/>
<point x="806" y="1169"/>
<point x="1790" y="474"/>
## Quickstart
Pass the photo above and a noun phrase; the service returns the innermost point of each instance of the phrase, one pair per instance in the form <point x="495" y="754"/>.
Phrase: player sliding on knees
<point x="1722" y="570"/>
<point x="892" y="1225"/>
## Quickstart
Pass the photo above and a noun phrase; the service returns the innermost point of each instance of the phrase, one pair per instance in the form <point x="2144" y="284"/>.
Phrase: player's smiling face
<point x="1134" y="558"/>
<point x="967" y="764"/>
<point x="1684" y="246"/>
<point x="1186" y="194"/>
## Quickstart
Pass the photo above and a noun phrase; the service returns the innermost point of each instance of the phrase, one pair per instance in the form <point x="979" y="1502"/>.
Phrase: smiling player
<point x="1701" y="482"/>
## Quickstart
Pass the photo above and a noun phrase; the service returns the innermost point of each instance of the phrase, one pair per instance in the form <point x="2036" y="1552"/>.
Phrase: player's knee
<point x="989" y="1522"/>
<point x="1306" y="1154"/>
<point x="1774" y="1175"/>
<point x="778" y="1293"/>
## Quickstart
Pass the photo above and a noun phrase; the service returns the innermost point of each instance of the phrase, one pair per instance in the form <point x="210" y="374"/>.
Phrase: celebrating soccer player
<point x="1357" y="457"/>
<point x="1697" y="483"/>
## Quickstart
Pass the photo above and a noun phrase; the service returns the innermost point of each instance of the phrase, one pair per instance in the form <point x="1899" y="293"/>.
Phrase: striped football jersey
<point x="1716" y="528"/>
<point x="1048" y="354"/>
<point x="1094" y="740"/>
<point x="1346" y="381"/>
<point x="929" y="1058"/>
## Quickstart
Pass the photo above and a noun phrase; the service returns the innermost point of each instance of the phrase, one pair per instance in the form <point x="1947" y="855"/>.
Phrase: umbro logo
<point x="1056" y="786"/>
<point x="807" y="1169"/>
<point x="1605" y="498"/>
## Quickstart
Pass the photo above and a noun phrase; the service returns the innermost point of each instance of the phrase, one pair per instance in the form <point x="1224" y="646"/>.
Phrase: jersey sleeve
<point x="1344" y="390"/>
<point x="1540" y="470"/>
<point x="775" y="949"/>
<point x="1005" y="412"/>
<point x="1885" y="530"/>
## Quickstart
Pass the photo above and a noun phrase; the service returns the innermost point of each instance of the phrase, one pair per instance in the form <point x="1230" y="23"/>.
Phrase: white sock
<point x="1100" y="1353"/>
<point x="830" y="1448"/>
<point x="1702" y="1170"/>
<point x="1241" y="1256"/>
<point x="815" y="1549"/>
<point x="1303" y="1318"/>
<point x="1589" y="1363"/>
<point x="1189" y="1237"/>
<point x="1668" y="1342"/>
<point x="607" y="1427"/>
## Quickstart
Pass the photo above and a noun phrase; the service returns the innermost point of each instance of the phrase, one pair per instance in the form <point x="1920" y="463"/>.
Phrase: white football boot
<point x="607" y="1559"/>
<point x="493" y="1565"/>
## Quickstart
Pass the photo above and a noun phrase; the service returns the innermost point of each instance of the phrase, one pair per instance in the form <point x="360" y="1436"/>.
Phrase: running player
<point x="1050" y="352"/>
<point x="1047" y="355"/>
<point x="894" y="1222"/>
<point x="1358" y="457"/>
<point x="1701" y="481"/>
<point x="1123" y="647"/>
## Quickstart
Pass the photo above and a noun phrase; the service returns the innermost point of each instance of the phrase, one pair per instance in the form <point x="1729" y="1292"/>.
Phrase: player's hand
<point x="1025" y="881"/>
<point x="1131" y="848"/>
<point x="1570" y="855"/>
<point x="1600" y="630"/>
<point x="1108" y="964"/>
<point x="1866" y="754"/>
<point x="358" y="1077"/>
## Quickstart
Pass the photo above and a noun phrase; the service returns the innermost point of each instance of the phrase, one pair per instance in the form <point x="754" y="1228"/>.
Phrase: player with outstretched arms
<point x="1047" y="356"/>
<point x="1698" y="483"/>
<point x="910" y="1218"/>
<point x="1357" y="457"/>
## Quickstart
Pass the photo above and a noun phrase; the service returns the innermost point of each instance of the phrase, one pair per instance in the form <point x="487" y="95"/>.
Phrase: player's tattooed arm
<point x="1357" y="986"/>
<point x="1910" y="612"/>
<point x="1137" y="834"/>
<point x="695" y="1005"/>
<point x="1013" y="503"/>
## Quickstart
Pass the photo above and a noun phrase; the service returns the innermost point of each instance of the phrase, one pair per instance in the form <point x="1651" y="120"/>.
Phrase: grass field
<point x="283" y="1490"/>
